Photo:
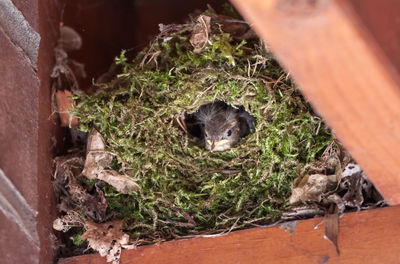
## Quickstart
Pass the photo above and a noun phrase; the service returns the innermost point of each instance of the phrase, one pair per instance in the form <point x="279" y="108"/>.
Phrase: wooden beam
<point x="381" y="18"/>
<point x="341" y="69"/>
<point x="364" y="237"/>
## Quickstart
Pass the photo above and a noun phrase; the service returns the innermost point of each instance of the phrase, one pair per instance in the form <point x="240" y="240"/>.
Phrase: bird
<point x="219" y="124"/>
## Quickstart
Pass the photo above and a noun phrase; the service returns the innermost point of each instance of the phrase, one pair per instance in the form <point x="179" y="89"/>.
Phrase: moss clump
<point x="186" y="190"/>
<point x="77" y="239"/>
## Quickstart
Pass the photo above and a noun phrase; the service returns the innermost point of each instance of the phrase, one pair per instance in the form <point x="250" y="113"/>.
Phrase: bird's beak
<point x="212" y="145"/>
<point x="215" y="143"/>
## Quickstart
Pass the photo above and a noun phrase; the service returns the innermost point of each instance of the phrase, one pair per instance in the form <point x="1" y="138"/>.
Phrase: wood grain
<point x="343" y="72"/>
<point x="364" y="237"/>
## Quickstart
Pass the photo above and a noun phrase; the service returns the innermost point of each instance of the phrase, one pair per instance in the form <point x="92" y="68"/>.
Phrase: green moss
<point x="77" y="239"/>
<point x="185" y="189"/>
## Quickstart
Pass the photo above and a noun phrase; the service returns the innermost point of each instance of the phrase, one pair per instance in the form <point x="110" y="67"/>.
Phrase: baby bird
<point x="220" y="125"/>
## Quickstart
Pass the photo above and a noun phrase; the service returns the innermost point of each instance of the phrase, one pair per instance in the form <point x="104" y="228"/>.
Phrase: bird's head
<point x="219" y="124"/>
<point x="221" y="130"/>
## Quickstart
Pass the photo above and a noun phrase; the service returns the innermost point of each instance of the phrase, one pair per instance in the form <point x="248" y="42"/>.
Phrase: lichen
<point x="186" y="190"/>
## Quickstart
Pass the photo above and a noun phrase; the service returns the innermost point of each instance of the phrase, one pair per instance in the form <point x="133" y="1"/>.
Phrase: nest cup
<point x="183" y="189"/>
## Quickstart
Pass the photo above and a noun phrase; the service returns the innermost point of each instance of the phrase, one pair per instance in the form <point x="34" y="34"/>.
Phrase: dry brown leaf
<point x="71" y="219"/>
<point x="301" y="213"/>
<point x="95" y="164"/>
<point x="66" y="72"/>
<point x="71" y="194"/>
<point x="312" y="187"/>
<point x="95" y="206"/>
<point x="332" y="226"/>
<point x="97" y="161"/>
<point x="352" y="180"/>
<point x="69" y="39"/>
<point x="79" y="70"/>
<point x="68" y="166"/>
<point x="200" y="34"/>
<point x="107" y="238"/>
<point x="336" y="199"/>
<point x="319" y="179"/>
<point x="65" y="168"/>
<point x="77" y="194"/>
<point x="65" y="104"/>
<point x="95" y="141"/>
<point x="238" y="29"/>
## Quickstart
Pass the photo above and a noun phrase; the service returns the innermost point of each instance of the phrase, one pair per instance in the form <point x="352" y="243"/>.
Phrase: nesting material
<point x="184" y="190"/>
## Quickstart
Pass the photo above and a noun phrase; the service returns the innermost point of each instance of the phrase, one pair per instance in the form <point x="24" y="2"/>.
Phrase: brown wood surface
<point x="365" y="237"/>
<point x="345" y="74"/>
<point x="382" y="18"/>
<point x="28" y="137"/>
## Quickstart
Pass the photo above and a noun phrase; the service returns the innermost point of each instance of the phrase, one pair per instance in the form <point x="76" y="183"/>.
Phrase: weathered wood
<point x="365" y="237"/>
<point x="343" y="72"/>
<point x="28" y="33"/>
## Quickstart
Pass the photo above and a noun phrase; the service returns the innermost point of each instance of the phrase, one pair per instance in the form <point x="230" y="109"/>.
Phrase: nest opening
<point x="225" y="122"/>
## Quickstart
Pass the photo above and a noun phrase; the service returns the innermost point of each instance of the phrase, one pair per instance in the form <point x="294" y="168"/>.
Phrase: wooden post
<point x="28" y="34"/>
<point x="345" y="73"/>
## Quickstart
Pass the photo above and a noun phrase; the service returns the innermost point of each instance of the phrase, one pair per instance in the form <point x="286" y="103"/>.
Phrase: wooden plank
<point x="382" y="20"/>
<point x="343" y="72"/>
<point x="364" y="237"/>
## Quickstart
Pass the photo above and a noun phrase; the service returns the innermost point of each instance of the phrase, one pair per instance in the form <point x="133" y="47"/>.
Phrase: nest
<point x="183" y="189"/>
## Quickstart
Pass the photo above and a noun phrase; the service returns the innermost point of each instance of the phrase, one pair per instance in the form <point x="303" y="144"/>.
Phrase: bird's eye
<point x="205" y="134"/>
<point x="229" y="133"/>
